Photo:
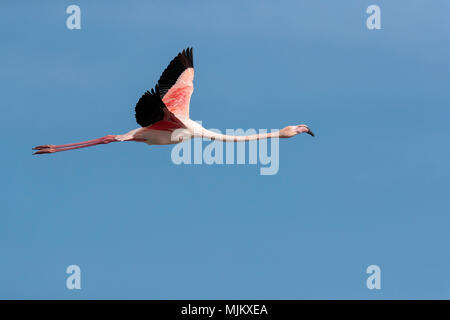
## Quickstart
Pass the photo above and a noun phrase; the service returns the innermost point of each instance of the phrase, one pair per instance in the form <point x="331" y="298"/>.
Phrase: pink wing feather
<point x="178" y="97"/>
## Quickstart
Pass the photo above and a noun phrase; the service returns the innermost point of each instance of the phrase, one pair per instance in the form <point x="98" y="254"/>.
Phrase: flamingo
<point x="163" y="114"/>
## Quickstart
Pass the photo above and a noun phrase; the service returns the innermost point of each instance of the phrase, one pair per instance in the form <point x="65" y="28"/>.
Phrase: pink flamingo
<point x="163" y="114"/>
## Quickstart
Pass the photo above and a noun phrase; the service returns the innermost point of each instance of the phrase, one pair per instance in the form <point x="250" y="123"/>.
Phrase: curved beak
<point x="310" y="133"/>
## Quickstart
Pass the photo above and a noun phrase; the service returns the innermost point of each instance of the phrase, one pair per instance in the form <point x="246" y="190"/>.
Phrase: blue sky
<point x="371" y="188"/>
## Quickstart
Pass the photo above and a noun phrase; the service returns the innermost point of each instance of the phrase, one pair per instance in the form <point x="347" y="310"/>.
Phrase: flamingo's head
<point x="291" y="131"/>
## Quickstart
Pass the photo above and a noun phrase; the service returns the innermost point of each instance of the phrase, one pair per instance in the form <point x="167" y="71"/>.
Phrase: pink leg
<point x="46" y="146"/>
<point x="65" y="147"/>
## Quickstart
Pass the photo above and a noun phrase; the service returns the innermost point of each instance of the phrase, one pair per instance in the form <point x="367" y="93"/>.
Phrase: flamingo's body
<point x="163" y="114"/>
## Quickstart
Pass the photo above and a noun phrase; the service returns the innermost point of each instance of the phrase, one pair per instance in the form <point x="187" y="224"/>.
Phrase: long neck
<point x="229" y="138"/>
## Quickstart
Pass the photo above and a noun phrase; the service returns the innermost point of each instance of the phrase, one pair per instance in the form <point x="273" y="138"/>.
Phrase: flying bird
<point x="163" y="114"/>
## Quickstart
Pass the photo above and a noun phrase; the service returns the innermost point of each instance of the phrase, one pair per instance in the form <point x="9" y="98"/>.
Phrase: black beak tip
<point x="311" y="133"/>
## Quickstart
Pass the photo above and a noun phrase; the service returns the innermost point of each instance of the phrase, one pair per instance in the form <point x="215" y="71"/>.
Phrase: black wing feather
<point x="150" y="108"/>
<point x="176" y="67"/>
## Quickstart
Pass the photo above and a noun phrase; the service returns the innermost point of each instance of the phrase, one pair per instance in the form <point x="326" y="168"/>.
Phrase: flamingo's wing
<point x="151" y="110"/>
<point x="171" y="95"/>
<point x="176" y="83"/>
